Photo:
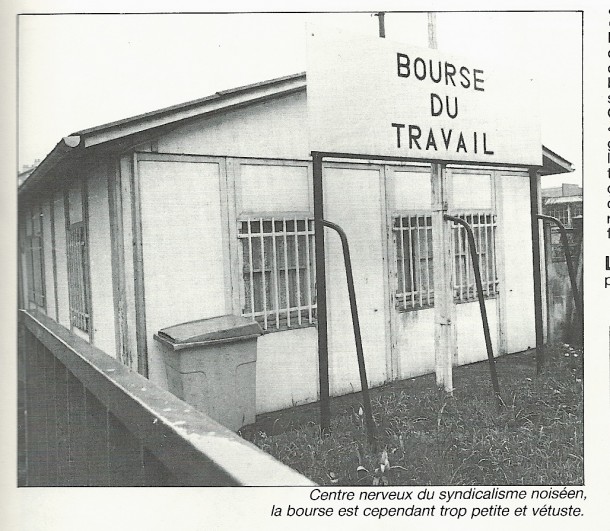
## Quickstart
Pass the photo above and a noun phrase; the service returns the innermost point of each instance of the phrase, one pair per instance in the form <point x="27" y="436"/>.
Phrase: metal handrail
<point x="571" y="272"/>
<point x="479" y="284"/>
<point x="366" y="399"/>
<point x="159" y="439"/>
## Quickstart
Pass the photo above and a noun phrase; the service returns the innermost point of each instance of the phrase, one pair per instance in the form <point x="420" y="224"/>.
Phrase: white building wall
<point x="186" y="241"/>
<point x="353" y="200"/>
<point x="61" y="260"/>
<point x="517" y="289"/>
<point x="278" y="129"/>
<point x="472" y="190"/>
<point x="287" y="362"/>
<point x="182" y="241"/>
<point x="414" y="338"/>
<point x="274" y="129"/>
<point x="411" y="192"/>
<point x="102" y="304"/>
<point x="126" y="231"/>
<point x="48" y="260"/>
<point x="469" y="328"/>
<point x="286" y="369"/>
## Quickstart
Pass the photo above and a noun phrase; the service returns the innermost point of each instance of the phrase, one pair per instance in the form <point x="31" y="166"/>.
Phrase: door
<point x="183" y="247"/>
<point x="353" y="199"/>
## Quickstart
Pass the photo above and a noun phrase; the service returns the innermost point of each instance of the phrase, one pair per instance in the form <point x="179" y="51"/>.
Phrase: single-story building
<point x="206" y="208"/>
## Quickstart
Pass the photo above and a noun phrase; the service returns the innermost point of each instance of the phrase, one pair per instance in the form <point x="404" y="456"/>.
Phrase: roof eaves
<point x="64" y="148"/>
<point x="180" y="111"/>
<point x="554" y="164"/>
<point x="223" y="100"/>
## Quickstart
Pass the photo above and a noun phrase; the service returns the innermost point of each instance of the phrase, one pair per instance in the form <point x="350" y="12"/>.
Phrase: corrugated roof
<point x="563" y="200"/>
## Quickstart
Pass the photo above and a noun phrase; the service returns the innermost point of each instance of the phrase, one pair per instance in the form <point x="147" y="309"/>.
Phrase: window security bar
<point x="484" y="232"/>
<point x="413" y="235"/>
<point x="470" y="239"/>
<point x="77" y="269"/>
<point x="278" y="271"/>
<point x="35" y="267"/>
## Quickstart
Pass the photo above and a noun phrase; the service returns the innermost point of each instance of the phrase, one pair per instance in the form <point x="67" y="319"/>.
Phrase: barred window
<point x="78" y="277"/>
<point x="484" y="229"/>
<point x="415" y="265"/>
<point x="558" y="211"/>
<point x="413" y="239"/>
<point x="278" y="271"/>
<point x="35" y="261"/>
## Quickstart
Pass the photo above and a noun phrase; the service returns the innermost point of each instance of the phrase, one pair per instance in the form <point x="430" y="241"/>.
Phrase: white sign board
<point x="372" y="96"/>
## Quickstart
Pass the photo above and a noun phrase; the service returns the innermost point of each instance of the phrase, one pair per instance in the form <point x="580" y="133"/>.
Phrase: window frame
<point x="78" y="278"/>
<point x="34" y="242"/>
<point x="83" y="285"/>
<point x="415" y="277"/>
<point x="276" y="318"/>
<point x="489" y="268"/>
<point x="486" y="268"/>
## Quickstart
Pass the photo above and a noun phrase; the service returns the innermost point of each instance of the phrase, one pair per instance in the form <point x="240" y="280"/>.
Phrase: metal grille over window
<point x="484" y="229"/>
<point x="35" y="263"/>
<point x="77" y="277"/>
<point x="413" y="238"/>
<point x="278" y="271"/>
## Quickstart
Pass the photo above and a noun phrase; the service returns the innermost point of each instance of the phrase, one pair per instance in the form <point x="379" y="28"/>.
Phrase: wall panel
<point x="360" y="214"/>
<point x="61" y="260"/>
<point x="516" y="248"/>
<point x="101" y="266"/>
<point x="182" y="238"/>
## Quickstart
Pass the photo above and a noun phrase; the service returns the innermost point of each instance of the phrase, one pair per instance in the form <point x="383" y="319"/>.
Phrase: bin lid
<point x="222" y="328"/>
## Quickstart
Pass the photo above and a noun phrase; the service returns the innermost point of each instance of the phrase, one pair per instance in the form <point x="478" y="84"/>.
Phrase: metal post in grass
<point x="321" y="313"/>
<point x="366" y="399"/>
<point x="537" y="274"/>
<point x="477" y="277"/>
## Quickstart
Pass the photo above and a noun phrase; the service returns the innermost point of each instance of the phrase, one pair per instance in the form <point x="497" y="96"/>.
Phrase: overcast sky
<point x="78" y="71"/>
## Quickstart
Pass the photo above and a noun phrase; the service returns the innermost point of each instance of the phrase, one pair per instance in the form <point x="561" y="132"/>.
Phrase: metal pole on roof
<point x="432" y="30"/>
<point x="381" y="17"/>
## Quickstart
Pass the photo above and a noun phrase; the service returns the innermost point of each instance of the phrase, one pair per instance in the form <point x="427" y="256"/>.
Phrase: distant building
<point x="563" y="202"/>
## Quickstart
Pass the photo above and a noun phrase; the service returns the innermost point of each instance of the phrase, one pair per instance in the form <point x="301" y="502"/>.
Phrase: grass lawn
<point x="428" y="438"/>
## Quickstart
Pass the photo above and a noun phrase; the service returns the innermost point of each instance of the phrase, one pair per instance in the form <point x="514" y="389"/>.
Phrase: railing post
<point x="534" y="196"/>
<point x="548" y="261"/>
<point x="321" y="312"/>
<point x="479" y="285"/>
<point x="366" y="399"/>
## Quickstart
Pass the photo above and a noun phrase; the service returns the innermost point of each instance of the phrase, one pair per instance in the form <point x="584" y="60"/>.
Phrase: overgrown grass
<point x="428" y="438"/>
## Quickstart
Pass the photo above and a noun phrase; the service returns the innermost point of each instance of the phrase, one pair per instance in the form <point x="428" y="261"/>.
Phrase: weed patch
<point x="428" y="438"/>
